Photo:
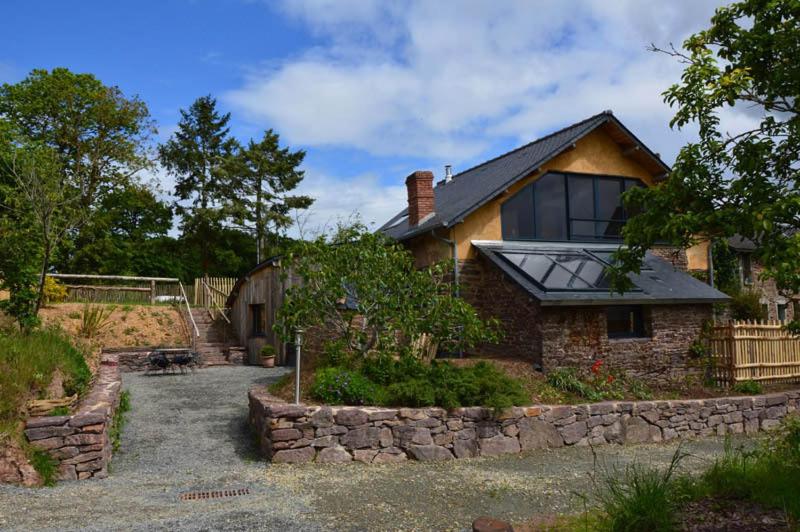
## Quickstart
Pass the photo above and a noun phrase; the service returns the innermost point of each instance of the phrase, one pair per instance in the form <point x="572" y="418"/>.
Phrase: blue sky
<point x="372" y="90"/>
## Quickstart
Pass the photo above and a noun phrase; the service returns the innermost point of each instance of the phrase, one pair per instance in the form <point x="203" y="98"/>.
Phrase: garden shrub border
<point x="292" y="433"/>
<point x="80" y="442"/>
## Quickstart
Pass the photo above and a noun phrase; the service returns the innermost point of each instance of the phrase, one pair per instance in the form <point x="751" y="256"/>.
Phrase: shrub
<point x="337" y="386"/>
<point x="54" y="291"/>
<point x="119" y="420"/>
<point x="94" y="319"/>
<point x="567" y="380"/>
<point x="746" y="305"/>
<point x="640" y="498"/>
<point x="748" y="387"/>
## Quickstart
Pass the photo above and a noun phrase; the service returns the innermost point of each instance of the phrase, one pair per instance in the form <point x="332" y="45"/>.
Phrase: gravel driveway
<point x="189" y="432"/>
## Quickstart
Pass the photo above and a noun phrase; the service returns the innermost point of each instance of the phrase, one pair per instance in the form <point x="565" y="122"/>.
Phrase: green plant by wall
<point x="119" y="419"/>
<point x="44" y="464"/>
<point x="746" y="305"/>
<point x="54" y="291"/>
<point x="748" y="387"/>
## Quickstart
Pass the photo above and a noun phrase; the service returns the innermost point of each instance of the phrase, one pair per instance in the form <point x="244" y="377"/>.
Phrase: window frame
<point x="258" y="320"/>
<point x="568" y="219"/>
<point x="641" y="331"/>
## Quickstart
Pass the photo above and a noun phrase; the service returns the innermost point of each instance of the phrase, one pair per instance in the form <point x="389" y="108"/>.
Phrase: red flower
<point x="596" y="366"/>
<point x="610" y="379"/>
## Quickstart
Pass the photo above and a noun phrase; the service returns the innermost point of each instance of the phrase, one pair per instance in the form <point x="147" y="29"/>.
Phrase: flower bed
<point x="305" y="433"/>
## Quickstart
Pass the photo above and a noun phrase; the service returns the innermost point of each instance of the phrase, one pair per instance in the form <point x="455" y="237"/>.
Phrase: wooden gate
<point x="758" y="351"/>
<point x="216" y="294"/>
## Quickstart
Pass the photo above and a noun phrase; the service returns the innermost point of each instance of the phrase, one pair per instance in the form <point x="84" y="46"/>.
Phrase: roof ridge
<point x="540" y="139"/>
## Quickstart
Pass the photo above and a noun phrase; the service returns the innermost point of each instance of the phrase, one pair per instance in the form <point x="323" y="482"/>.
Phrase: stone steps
<point x="216" y="343"/>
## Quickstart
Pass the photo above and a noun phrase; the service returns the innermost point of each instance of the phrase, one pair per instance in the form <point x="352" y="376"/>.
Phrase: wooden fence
<point x="758" y="351"/>
<point x="120" y="289"/>
<point x="215" y="293"/>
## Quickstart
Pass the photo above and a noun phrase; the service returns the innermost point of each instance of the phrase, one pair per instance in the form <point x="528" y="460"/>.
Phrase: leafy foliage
<point x="119" y="419"/>
<point x="94" y="319"/>
<point x="744" y="182"/>
<point x="44" y="464"/>
<point x="746" y="305"/>
<point x="406" y="381"/>
<point x="366" y="290"/>
<point x="598" y="384"/>
<point x="748" y="387"/>
<point x="54" y="291"/>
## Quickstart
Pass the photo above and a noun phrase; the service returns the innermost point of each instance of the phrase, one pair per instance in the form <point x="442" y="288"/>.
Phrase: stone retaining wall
<point x="80" y="442"/>
<point x="303" y="433"/>
<point x="132" y="359"/>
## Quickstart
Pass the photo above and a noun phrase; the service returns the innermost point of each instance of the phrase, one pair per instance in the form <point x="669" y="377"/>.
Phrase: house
<point x="530" y="233"/>
<point x="253" y="303"/>
<point x="777" y="305"/>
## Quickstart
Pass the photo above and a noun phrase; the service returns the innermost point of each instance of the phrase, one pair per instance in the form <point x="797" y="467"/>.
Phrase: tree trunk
<point x="42" y="277"/>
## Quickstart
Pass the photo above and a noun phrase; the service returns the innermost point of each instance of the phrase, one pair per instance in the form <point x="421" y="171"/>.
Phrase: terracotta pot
<point x="268" y="362"/>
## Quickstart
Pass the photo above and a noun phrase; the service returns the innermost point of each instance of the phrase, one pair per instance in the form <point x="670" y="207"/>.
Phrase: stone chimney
<point x="420" y="196"/>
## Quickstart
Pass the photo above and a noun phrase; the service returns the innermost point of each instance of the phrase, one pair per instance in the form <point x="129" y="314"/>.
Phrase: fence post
<point x="152" y="292"/>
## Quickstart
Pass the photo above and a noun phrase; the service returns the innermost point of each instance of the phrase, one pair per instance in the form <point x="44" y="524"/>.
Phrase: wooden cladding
<point x="757" y="351"/>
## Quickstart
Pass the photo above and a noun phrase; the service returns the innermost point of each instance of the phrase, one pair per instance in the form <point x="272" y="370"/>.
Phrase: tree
<point x="43" y="211"/>
<point x="266" y="174"/>
<point x="366" y="291"/>
<point x="99" y="135"/>
<point x="200" y="155"/>
<point x="745" y="182"/>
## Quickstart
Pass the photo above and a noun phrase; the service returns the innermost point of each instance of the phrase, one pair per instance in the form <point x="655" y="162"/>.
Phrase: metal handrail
<point x="189" y="310"/>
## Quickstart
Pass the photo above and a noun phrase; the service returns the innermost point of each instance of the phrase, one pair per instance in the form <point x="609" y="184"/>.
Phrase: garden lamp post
<point x="297" y="343"/>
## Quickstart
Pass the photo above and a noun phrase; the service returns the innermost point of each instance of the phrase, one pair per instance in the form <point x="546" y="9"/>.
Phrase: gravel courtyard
<point x="189" y="433"/>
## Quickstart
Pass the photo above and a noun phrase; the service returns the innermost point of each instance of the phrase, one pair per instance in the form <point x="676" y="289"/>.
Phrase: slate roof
<point x="658" y="283"/>
<point x="472" y="188"/>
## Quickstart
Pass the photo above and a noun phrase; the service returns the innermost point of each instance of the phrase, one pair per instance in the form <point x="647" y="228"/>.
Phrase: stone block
<point x="91" y="418"/>
<point x="361" y="438"/>
<point x="770" y="424"/>
<point x="773" y="412"/>
<point x="428" y="422"/>
<point x="48" y="443"/>
<point x="333" y="455"/>
<point x="294" y="456"/>
<point x="364" y="455"/>
<point x="465" y="448"/>
<point x="388" y="458"/>
<point x="286" y="435"/>
<point x="559" y="412"/>
<point x="637" y="430"/>
<point x="412" y="413"/>
<point x="325" y="441"/>
<point x="96" y="429"/>
<point x="322" y="418"/>
<point x="382" y="415"/>
<point x="574" y="432"/>
<point x="533" y="411"/>
<point x="406" y="435"/>
<point x="67" y="472"/>
<point x="83" y="439"/>
<point x="335" y="430"/>
<point x="385" y="437"/>
<point x="92" y="465"/>
<point x="455" y="424"/>
<point x="487" y="429"/>
<point x="468" y="433"/>
<point x="498" y="445"/>
<point x="511" y="430"/>
<point x="64" y="453"/>
<point x="427" y="453"/>
<point x="351" y="417"/>
<point x="46" y="421"/>
<point x="286" y="410"/>
<point x="42" y="433"/>
<point x="83" y="457"/>
<point x="537" y="434"/>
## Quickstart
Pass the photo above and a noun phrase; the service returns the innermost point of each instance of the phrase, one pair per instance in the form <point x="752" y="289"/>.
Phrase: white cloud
<point x="450" y="81"/>
<point x="339" y="199"/>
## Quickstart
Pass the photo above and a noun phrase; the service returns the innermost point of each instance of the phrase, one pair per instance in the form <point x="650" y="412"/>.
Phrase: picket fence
<point x="759" y="351"/>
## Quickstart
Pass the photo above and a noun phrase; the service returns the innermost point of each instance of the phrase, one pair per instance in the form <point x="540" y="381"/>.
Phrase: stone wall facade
<point x="494" y="295"/>
<point x="291" y="433"/>
<point x="133" y="359"/>
<point x="80" y="442"/>
<point x="577" y="336"/>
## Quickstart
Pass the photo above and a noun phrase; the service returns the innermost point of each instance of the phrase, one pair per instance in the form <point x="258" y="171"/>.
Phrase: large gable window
<point x="567" y="207"/>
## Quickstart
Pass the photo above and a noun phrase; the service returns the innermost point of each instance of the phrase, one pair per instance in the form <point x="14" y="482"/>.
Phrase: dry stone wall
<point x="302" y="433"/>
<point x="80" y="442"/>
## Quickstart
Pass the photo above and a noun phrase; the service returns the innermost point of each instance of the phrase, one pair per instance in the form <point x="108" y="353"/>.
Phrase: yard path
<point x="189" y="432"/>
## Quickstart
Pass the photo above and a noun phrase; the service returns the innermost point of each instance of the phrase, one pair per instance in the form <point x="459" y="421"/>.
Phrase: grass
<point x="44" y="464"/>
<point x="27" y="363"/>
<point x="640" y="498"/>
<point x="119" y="420"/>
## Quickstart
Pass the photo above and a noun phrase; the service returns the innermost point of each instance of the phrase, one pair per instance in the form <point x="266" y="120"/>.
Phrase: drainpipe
<point x="454" y="246"/>
<point x="711" y="262"/>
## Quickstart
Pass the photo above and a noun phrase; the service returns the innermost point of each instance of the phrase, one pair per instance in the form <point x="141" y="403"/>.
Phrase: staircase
<point x="217" y="343"/>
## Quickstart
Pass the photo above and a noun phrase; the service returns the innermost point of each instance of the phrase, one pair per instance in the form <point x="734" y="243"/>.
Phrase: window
<point x="765" y="310"/>
<point x="781" y="311"/>
<point x="746" y="266"/>
<point x="567" y="207"/>
<point x="258" y="320"/>
<point x="625" y="321"/>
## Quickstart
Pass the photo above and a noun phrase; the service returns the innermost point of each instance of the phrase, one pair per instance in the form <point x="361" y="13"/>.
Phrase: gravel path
<point x="190" y="432"/>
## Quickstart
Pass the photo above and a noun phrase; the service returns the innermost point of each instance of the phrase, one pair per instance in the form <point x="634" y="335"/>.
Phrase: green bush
<point x="94" y="319"/>
<point x="567" y="380"/>
<point x="27" y="363"/>
<point x="640" y="498"/>
<point x="746" y="305"/>
<point x="339" y="386"/>
<point x="748" y="387"/>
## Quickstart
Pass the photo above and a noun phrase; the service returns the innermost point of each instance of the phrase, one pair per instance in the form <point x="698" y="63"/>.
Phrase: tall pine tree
<point x="266" y="175"/>
<point x="200" y="155"/>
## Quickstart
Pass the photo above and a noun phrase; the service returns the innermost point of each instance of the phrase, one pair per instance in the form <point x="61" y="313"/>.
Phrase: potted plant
<point x="268" y="356"/>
